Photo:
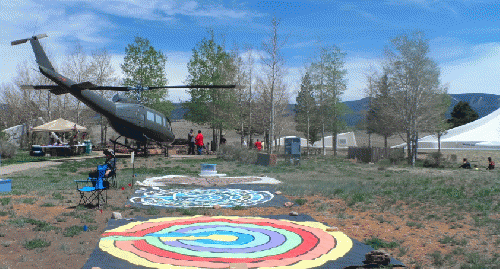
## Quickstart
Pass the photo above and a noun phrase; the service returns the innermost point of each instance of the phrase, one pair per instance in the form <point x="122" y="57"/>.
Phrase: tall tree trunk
<point x="409" y="147"/>
<point x="308" y="134"/>
<point x="323" y="138"/>
<point x="334" y="143"/>
<point x="214" y="139"/>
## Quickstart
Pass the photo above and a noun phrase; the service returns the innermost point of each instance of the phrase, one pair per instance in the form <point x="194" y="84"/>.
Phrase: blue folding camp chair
<point x="95" y="189"/>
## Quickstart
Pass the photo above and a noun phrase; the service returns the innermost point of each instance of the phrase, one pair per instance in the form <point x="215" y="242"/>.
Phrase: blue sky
<point x="463" y="35"/>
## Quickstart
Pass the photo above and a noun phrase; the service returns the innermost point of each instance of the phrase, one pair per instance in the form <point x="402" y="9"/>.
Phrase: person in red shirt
<point x="199" y="142"/>
<point x="258" y="145"/>
<point x="491" y="164"/>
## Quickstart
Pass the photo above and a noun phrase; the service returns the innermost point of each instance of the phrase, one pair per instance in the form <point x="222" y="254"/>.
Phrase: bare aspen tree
<point x="77" y="67"/>
<point x="414" y="88"/>
<point x="274" y="65"/>
<point x="250" y="61"/>
<point x="102" y="74"/>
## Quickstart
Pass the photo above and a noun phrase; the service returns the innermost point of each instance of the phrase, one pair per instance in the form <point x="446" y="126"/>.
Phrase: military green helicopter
<point x="127" y="117"/>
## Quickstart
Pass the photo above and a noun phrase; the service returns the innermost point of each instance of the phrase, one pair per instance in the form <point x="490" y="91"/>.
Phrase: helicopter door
<point x="139" y="115"/>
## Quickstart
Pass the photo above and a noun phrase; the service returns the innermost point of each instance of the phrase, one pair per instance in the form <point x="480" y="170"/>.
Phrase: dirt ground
<point x="416" y="243"/>
<point x="72" y="250"/>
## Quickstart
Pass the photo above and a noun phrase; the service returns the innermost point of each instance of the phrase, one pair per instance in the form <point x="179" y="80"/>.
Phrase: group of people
<point x="198" y="142"/>
<point x="466" y="164"/>
<point x="195" y="141"/>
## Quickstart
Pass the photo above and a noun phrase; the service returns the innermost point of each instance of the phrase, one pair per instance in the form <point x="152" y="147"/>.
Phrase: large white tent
<point x="481" y="134"/>
<point x="15" y="134"/>
<point x="344" y="140"/>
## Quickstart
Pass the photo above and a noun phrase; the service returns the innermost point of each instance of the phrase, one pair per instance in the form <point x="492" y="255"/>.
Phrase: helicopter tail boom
<point x="41" y="57"/>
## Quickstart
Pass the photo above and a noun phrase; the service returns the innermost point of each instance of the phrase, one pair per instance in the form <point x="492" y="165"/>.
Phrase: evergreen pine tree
<point x="462" y="114"/>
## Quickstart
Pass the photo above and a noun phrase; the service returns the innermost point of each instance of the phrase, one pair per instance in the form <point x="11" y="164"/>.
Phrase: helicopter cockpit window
<point x="150" y="116"/>
<point x="158" y="119"/>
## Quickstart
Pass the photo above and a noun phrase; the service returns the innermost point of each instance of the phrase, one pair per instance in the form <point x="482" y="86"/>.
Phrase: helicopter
<point x="127" y="117"/>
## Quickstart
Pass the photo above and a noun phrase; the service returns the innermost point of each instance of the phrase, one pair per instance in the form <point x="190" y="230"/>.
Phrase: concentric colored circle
<point x="215" y="242"/>
<point x="201" y="197"/>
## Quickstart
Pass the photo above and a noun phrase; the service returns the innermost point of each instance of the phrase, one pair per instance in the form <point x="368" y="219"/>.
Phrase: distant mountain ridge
<point x="482" y="103"/>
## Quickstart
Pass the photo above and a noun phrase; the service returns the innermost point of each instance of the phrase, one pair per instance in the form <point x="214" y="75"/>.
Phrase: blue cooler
<point x="5" y="185"/>
<point x="37" y="150"/>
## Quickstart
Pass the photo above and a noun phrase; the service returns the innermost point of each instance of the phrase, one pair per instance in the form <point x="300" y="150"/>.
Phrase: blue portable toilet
<point x="292" y="149"/>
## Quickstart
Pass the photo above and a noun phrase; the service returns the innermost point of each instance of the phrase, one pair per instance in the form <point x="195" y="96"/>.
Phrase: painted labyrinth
<point x="200" y="197"/>
<point x="215" y="242"/>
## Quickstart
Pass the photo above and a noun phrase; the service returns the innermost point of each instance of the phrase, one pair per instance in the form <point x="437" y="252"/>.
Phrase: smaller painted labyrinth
<point x="200" y="197"/>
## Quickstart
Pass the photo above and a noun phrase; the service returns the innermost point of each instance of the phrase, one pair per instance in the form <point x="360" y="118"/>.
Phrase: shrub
<point x="300" y="201"/>
<point x="434" y="160"/>
<point x="384" y="164"/>
<point x="396" y="156"/>
<point x="7" y="150"/>
<point x="3" y="135"/>
<point x="235" y="153"/>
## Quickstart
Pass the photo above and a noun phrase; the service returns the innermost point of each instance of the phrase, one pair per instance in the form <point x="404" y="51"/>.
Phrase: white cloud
<point x="256" y="55"/>
<point x="474" y="74"/>
<point x="162" y="10"/>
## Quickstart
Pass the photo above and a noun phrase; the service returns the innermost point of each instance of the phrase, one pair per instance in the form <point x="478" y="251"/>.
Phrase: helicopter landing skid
<point x="141" y="151"/>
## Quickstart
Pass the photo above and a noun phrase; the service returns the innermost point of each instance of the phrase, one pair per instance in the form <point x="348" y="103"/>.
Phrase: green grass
<point x="23" y="156"/>
<point x="452" y="241"/>
<point x="29" y="201"/>
<point x="5" y="201"/>
<point x="41" y="226"/>
<point x="36" y="243"/>
<point x="152" y="211"/>
<point x="73" y="231"/>
<point x="300" y="201"/>
<point x="414" y="224"/>
<point x="377" y="243"/>
<point x="187" y="212"/>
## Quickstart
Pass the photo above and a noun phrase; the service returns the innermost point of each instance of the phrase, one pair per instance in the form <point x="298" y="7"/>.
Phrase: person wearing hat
<point x="110" y="162"/>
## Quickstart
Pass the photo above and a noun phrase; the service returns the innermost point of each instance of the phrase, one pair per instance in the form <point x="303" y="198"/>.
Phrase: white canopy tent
<point x="344" y="140"/>
<point x="59" y="125"/>
<point x="481" y="134"/>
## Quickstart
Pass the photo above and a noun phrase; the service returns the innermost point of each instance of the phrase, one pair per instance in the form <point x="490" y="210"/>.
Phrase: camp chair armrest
<point x="87" y="182"/>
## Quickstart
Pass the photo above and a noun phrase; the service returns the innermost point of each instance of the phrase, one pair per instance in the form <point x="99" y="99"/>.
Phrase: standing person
<point x="465" y="164"/>
<point x="222" y="140"/>
<point x="258" y="145"/>
<point x="191" y="142"/>
<point x="491" y="164"/>
<point x="199" y="142"/>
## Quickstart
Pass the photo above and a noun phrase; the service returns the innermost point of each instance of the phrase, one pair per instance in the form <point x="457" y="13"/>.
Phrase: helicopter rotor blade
<point x="193" y="86"/>
<point x="111" y="88"/>
<point x="126" y="89"/>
